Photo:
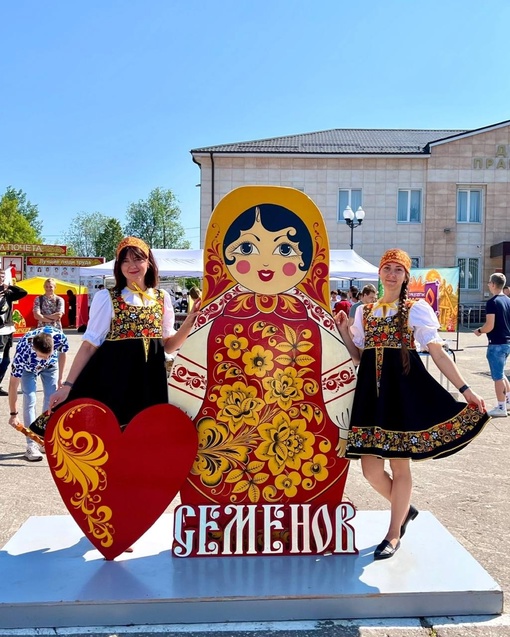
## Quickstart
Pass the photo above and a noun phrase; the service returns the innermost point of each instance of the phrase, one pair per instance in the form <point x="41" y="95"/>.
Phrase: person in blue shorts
<point x="497" y="328"/>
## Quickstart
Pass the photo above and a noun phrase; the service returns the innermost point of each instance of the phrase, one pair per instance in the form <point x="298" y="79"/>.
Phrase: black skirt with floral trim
<point x="408" y="416"/>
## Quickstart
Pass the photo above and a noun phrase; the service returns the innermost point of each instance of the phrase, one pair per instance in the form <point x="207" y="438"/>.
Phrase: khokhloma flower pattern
<point x="264" y="433"/>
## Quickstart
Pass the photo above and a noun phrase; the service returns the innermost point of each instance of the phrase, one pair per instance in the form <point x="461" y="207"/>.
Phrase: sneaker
<point x="3" y="392"/>
<point x="497" y="412"/>
<point x="508" y="406"/>
<point x="41" y="449"/>
<point x="32" y="454"/>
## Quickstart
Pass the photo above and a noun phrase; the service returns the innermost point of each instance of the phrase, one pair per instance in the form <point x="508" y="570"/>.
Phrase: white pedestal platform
<point x="52" y="577"/>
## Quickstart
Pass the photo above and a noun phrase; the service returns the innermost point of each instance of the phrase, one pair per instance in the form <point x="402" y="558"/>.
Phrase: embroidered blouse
<point x="101" y="313"/>
<point x="422" y="320"/>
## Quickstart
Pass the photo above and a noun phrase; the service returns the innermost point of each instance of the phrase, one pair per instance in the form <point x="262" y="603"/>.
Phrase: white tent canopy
<point x="347" y="264"/>
<point x="170" y="263"/>
<point x="344" y="264"/>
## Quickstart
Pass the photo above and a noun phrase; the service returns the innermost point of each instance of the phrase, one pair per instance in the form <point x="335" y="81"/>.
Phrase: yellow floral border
<point x="80" y="457"/>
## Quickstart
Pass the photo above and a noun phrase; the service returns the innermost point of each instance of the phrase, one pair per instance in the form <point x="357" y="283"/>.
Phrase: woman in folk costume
<point x="400" y="411"/>
<point x="264" y="375"/>
<point x="121" y="360"/>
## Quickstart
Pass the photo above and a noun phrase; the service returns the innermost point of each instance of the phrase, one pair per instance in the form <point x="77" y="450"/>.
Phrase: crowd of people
<point x="400" y="412"/>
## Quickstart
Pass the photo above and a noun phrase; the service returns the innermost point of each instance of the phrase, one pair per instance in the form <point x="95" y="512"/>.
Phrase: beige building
<point x="442" y="195"/>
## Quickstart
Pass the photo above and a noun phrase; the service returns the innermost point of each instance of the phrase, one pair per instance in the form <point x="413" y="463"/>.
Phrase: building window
<point x="469" y="273"/>
<point x="415" y="262"/>
<point x="409" y="206"/>
<point x="469" y="205"/>
<point x="348" y="197"/>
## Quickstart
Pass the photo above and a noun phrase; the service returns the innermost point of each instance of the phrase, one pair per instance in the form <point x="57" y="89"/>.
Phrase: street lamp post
<point x="353" y="220"/>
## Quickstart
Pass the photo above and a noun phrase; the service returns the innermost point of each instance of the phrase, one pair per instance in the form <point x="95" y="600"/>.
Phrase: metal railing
<point x="472" y="313"/>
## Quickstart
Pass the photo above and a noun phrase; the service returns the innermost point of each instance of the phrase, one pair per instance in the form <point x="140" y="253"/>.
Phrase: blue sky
<point x="102" y="100"/>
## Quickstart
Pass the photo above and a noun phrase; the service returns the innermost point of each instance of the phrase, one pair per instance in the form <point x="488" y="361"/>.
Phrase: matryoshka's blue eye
<point x="246" y="248"/>
<point x="285" y="250"/>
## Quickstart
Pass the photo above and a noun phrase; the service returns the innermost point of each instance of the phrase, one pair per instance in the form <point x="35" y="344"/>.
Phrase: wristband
<point x="463" y="388"/>
<point x="67" y="383"/>
<point x="13" y="413"/>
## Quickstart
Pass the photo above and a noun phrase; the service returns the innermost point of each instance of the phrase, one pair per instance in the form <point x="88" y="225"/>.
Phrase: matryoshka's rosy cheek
<point x="243" y="267"/>
<point x="289" y="269"/>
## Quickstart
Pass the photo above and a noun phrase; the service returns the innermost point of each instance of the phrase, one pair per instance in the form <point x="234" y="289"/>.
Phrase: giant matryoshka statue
<point x="265" y="375"/>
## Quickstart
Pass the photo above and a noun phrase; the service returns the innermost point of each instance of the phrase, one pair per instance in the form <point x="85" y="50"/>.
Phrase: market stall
<point x="23" y="317"/>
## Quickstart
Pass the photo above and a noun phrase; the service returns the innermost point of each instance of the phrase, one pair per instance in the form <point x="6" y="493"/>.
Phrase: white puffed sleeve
<point x="423" y="321"/>
<point x="357" y="330"/>
<point x="101" y="314"/>
<point x="168" y="316"/>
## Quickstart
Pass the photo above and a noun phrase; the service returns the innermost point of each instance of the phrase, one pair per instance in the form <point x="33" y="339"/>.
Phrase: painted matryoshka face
<point x="265" y="262"/>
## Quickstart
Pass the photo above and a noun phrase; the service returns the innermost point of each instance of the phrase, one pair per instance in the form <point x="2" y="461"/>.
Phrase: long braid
<point x="402" y="316"/>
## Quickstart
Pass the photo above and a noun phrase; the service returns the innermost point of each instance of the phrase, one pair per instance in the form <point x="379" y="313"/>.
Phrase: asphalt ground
<point x="469" y="493"/>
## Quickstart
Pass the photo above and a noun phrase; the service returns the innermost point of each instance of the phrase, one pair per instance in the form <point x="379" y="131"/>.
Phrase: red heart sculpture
<point x="115" y="483"/>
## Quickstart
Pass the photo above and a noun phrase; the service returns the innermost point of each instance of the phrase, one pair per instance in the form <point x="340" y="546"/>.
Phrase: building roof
<point x="342" y="141"/>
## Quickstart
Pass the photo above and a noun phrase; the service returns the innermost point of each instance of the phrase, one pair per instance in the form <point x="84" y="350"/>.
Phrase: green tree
<point x="26" y="208"/>
<point x="108" y="239"/>
<point x="14" y="227"/>
<point x="84" y="232"/>
<point x="192" y="282"/>
<point x="157" y="220"/>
